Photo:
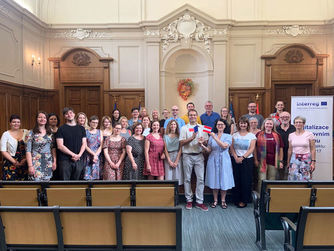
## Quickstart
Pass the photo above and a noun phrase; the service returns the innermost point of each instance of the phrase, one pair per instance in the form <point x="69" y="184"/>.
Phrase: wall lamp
<point x="34" y="60"/>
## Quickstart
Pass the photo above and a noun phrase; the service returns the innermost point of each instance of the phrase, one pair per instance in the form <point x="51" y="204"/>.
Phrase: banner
<point x="318" y="111"/>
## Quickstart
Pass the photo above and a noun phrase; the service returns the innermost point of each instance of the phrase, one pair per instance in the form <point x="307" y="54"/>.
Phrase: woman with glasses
<point x="114" y="153"/>
<point x="301" y="153"/>
<point x="93" y="149"/>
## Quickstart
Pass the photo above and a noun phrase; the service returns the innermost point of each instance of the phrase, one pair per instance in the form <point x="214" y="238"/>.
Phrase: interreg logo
<point x="309" y="104"/>
<point x="323" y="103"/>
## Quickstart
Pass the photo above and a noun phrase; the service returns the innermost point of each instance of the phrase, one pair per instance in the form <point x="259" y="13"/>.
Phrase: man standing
<point x="191" y="136"/>
<point x="175" y="116"/>
<point x="284" y="130"/>
<point x="165" y="114"/>
<point x="209" y="118"/>
<point x="252" y="113"/>
<point x="190" y="106"/>
<point x="135" y="117"/>
<point x="71" y="142"/>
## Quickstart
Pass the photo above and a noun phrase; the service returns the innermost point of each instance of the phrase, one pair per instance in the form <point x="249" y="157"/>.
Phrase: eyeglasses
<point x="117" y="128"/>
<point x="175" y="109"/>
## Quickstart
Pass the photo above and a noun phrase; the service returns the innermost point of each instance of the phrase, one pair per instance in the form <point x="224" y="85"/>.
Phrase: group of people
<point x="223" y="154"/>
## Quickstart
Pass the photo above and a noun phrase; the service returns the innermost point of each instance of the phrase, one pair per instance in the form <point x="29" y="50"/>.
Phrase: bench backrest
<point x="155" y="196"/>
<point x="315" y="228"/>
<point x="111" y="196"/>
<point x="69" y="197"/>
<point x="19" y="196"/>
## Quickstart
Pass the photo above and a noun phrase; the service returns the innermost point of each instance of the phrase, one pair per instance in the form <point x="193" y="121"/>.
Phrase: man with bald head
<point x="175" y="116"/>
<point x="284" y="129"/>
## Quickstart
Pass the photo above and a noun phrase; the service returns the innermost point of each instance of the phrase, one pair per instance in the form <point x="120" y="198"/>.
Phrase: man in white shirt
<point x="191" y="136"/>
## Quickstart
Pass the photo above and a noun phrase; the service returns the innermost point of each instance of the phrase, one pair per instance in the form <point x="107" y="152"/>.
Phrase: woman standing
<point x="253" y="124"/>
<point x="154" y="153"/>
<point x="93" y="149"/>
<point x="116" y="115"/>
<point x="40" y="150"/>
<point x="146" y="125"/>
<point x="173" y="165"/>
<point x="53" y="122"/>
<point x="225" y="114"/>
<point x="135" y="159"/>
<point x="301" y="153"/>
<point x="268" y="152"/>
<point x="13" y="151"/>
<point x="114" y="153"/>
<point x="81" y="119"/>
<point x="243" y="144"/>
<point x="279" y="109"/>
<point x="125" y="132"/>
<point x="219" y="174"/>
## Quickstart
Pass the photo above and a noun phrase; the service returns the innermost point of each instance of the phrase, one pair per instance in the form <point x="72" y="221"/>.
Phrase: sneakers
<point x="189" y="205"/>
<point x="202" y="207"/>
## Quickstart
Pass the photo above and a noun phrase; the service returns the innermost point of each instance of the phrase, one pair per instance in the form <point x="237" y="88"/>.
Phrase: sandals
<point x="224" y="205"/>
<point x="214" y="204"/>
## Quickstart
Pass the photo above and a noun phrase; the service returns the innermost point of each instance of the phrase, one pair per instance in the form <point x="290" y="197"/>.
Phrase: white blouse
<point x="9" y="144"/>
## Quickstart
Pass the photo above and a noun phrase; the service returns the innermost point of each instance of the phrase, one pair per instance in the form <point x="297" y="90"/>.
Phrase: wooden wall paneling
<point x="3" y="111"/>
<point x="296" y="67"/>
<point x="241" y="96"/>
<point x="84" y="69"/>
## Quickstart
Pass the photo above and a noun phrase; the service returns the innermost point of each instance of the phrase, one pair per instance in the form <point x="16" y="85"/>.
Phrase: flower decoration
<point x="185" y="88"/>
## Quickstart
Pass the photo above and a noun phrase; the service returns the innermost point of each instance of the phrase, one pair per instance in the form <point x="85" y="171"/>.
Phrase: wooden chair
<point x="111" y="196"/>
<point x="152" y="228"/>
<point x="278" y="198"/>
<point x="154" y="196"/>
<point x="314" y="229"/>
<point x="20" y="197"/>
<point x="324" y="197"/>
<point x="67" y="197"/>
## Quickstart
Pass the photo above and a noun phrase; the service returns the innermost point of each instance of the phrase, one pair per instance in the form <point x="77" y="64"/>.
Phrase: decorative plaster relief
<point x="188" y="28"/>
<point x="81" y="34"/>
<point x="294" y="30"/>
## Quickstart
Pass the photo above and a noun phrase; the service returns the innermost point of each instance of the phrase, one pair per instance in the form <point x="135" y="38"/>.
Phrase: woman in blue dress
<point x="93" y="148"/>
<point x="219" y="174"/>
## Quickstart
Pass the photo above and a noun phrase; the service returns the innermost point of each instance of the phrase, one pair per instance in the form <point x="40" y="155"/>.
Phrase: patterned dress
<point x="11" y="172"/>
<point x="138" y="153"/>
<point x="40" y="148"/>
<point x="115" y="149"/>
<point x="154" y="153"/>
<point x="92" y="170"/>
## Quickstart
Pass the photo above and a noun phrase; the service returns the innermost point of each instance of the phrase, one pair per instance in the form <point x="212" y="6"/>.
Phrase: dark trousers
<point x="243" y="176"/>
<point x="70" y="170"/>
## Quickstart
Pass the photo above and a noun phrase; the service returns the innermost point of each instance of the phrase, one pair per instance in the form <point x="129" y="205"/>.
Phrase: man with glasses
<point x="252" y="114"/>
<point x="284" y="130"/>
<point x="135" y="117"/>
<point x="175" y="116"/>
<point x="209" y="118"/>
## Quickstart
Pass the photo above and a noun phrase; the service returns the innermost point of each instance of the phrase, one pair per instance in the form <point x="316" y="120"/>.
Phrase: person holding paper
<point x="192" y="136"/>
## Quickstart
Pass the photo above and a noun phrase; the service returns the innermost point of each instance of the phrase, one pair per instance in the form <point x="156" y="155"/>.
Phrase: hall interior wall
<point x="23" y="35"/>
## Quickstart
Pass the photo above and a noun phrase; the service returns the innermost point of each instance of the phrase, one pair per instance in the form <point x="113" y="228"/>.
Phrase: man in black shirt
<point x="284" y="130"/>
<point x="71" y="142"/>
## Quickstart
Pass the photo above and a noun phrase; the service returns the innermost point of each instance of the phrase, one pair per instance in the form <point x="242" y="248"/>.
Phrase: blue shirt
<point x="130" y="122"/>
<point x="179" y="121"/>
<point x="210" y="120"/>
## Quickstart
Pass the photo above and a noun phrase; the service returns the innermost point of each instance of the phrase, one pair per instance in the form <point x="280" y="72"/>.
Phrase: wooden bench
<point x="283" y="199"/>
<point x="102" y="193"/>
<point x="20" y="196"/>
<point x="313" y="231"/>
<point x="91" y="228"/>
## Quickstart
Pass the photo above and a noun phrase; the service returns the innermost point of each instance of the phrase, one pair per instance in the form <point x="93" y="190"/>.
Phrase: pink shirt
<point x="301" y="144"/>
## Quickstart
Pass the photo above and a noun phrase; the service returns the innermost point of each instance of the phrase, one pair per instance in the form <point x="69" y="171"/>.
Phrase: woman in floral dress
<point x="93" y="149"/>
<point x="13" y="151"/>
<point x="41" y="151"/>
<point x="114" y="153"/>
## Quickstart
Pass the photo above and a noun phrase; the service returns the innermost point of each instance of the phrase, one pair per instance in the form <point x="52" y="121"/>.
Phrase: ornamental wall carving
<point x="81" y="59"/>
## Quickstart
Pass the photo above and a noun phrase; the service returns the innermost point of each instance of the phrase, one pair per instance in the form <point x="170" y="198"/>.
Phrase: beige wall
<point x="234" y="59"/>
<point x="132" y="11"/>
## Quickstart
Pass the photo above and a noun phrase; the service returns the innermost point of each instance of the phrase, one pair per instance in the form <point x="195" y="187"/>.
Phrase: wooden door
<point x="284" y="92"/>
<point x="84" y="99"/>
